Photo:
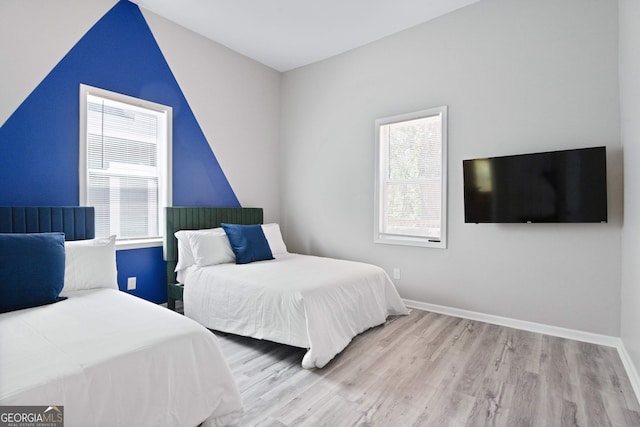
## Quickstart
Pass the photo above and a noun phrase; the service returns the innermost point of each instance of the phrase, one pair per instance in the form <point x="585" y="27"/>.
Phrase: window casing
<point x="411" y="179"/>
<point x="125" y="163"/>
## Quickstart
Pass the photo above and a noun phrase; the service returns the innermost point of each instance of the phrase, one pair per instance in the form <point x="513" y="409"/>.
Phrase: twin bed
<point x="109" y="358"/>
<point x="113" y="359"/>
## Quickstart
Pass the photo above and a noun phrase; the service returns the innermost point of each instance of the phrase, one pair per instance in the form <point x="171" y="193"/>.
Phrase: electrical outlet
<point x="131" y="283"/>
<point x="396" y="273"/>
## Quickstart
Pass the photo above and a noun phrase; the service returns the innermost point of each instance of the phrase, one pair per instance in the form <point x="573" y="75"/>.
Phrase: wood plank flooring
<point x="428" y="369"/>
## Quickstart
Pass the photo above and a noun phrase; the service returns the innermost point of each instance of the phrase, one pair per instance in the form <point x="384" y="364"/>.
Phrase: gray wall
<point x="236" y="100"/>
<point x="518" y="76"/>
<point x="630" y="132"/>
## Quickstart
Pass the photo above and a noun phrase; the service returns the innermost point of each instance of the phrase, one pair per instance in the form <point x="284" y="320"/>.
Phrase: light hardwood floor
<point x="428" y="369"/>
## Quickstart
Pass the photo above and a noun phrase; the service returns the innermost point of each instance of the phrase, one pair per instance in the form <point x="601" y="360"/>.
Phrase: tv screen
<point x="556" y="186"/>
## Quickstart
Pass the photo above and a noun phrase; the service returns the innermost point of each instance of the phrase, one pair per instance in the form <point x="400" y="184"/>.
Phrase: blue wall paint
<point x="39" y="142"/>
<point x="143" y="264"/>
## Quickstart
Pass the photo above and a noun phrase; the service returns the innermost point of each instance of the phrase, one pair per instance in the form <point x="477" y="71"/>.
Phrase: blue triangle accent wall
<point x="39" y="142"/>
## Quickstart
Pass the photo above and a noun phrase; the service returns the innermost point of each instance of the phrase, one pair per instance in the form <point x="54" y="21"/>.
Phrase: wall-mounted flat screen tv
<point x="556" y="186"/>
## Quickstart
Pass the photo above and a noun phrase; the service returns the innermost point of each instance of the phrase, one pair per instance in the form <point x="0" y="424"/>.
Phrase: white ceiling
<point x="286" y="34"/>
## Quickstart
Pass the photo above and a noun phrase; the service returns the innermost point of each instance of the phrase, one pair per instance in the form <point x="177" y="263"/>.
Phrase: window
<point x="125" y="163"/>
<point x="411" y="173"/>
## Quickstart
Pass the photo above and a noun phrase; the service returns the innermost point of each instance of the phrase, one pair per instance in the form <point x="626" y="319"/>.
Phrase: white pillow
<point x="274" y="238"/>
<point x="90" y="264"/>
<point x="210" y="247"/>
<point x="185" y="256"/>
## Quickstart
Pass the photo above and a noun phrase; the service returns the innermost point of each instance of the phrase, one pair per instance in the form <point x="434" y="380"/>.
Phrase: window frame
<point x="165" y="198"/>
<point x="408" y="240"/>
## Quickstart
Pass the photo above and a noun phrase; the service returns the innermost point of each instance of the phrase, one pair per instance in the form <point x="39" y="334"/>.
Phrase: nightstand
<point x="174" y="293"/>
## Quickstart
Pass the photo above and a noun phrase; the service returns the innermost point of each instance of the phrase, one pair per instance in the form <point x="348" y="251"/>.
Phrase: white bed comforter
<point x="115" y="360"/>
<point x="304" y="301"/>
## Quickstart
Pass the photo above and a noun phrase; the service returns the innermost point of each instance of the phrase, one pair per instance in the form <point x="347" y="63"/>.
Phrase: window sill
<point x="122" y="245"/>
<point x="424" y="243"/>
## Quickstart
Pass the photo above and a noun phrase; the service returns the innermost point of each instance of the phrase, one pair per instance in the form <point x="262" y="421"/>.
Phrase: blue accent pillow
<point x="248" y="242"/>
<point x="31" y="270"/>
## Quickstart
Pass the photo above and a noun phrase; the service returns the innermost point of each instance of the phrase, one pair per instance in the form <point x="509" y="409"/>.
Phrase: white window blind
<point x="411" y="190"/>
<point x="126" y="173"/>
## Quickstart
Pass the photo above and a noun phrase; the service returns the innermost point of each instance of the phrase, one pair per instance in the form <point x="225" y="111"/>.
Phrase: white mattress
<point x="304" y="301"/>
<point x="112" y="359"/>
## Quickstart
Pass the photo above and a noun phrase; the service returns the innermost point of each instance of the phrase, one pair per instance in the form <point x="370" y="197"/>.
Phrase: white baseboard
<point x="555" y="331"/>
<point x="632" y="372"/>
<point x="518" y="324"/>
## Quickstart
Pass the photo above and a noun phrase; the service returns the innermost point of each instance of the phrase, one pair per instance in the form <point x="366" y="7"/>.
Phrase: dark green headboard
<point x="186" y="218"/>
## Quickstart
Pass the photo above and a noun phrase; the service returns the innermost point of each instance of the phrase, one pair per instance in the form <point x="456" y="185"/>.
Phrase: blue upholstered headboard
<point x="76" y="222"/>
